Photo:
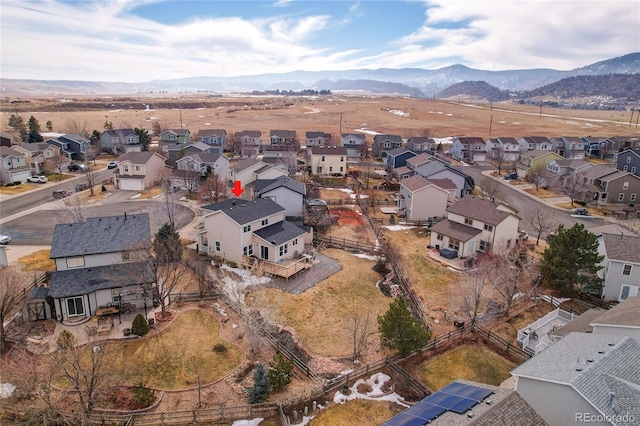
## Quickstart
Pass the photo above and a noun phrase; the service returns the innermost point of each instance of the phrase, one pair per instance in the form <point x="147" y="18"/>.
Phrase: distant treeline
<point x="305" y="92"/>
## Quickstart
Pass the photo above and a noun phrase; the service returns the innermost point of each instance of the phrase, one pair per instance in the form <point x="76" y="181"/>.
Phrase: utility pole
<point x="340" y="135"/>
<point x="181" y="119"/>
<point x="631" y="119"/>
<point x="490" y="124"/>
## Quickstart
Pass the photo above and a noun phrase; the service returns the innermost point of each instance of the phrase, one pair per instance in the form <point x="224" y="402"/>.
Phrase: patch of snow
<point x="138" y="195"/>
<point x="236" y="288"/>
<point x="207" y="124"/>
<point x="376" y="382"/>
<point x="347" y="190"/>
<point x="51" y="134"/>
<point x="115" y="110"/>
<point x="365" y="256"/>
<point x="449" y="115"/>
<point x="397" y="227"/>
<point x="453" y="269"/>
<point x="368" y="132"/>
<point x="398" y="112"/>
<point x="6" y="390"/>
<point x="515" y="122"/>
<point x="219" y="309"/>
<point x="252" y="422"/>
<point x="201" y="116"/>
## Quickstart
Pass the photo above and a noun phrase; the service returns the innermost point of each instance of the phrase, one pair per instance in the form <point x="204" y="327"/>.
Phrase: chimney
<point x="125" y="215"/>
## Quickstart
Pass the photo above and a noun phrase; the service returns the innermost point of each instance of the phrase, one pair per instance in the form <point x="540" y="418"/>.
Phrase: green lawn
<point x="469" y="362"/>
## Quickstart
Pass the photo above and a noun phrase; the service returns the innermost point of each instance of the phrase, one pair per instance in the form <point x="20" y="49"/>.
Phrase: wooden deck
<point x="285" y="269"/>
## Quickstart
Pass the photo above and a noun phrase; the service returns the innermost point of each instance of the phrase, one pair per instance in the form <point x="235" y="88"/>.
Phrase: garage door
<point x="130" y="184"/>
<point x="21" y="175"/>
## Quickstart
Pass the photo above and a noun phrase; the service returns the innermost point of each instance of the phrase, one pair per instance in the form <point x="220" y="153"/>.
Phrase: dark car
<point x="511" y="176"/>
<point x="582" y="211"/>
<point x="59" y="194"/>
<point x="74" y="168"/>
<point x="82" y="187"/>
<point x="448" y="254"/>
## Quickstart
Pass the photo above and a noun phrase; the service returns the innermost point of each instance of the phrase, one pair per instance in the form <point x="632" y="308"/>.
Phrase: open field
<point x="332" y="114"/>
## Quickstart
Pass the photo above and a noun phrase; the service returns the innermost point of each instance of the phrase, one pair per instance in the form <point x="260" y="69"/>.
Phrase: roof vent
<point x="470" y="414"/>
<point x="612" y="344"/>
<point x="578" y="369"/>
<point x="233" y="201"/>
<point x="589" y="360"/>
<point x="488" y="402"/>
<point x="242" y="204"/>
<point x="600" y="352"/>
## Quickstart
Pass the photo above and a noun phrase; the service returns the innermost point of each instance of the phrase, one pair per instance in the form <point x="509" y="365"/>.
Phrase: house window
<point x="488" y="228"/>
<point x="484" y="245"/>
<point x="126" y="256"/>
<point x="439" y="237"/>
<point x="454" y="244"/>
<point x="284" y="249"/>
<point x="126" y="168"/>
<point x="468" y="221"/>
<point x="621" y="196"/>
<point x="633" y="170"/>
<point x="632" y="197"/>
<point x="603" y="196"/>
<point x="218" y="246"/>
<point x="138" y="168"/>
<point x="387" y="145"/>
<point x="342" y="169"/>
<point x="341" y="159"/>
<point x="628" y="290"/>
<point x="322" y="158"/>
<point x="294" y="242"/>
<point x="247" y="250"/>
<point x="628" y="159"/>
<point x="625" y="185"/>
<point x="116" y="299"/>
<point x="264" y="252"/>
<point x="626" y="270"/>
<point x="265" y="222"/>
<point x="75" y="262"/>
<point x="75" y="307"/>
<point x="624" y="169"/>
<point x="330" y="168"/>
<point x="247" y="228"/>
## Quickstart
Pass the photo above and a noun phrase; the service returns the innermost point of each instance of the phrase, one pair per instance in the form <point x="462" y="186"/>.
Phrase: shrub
<point x="220" y="348"/>
<point x="143" y="395"/>
<point x="280" y="373"/>
<point x="260" y="390"/>
<point x="140" y="326"/>
<point x="66" y="340"/>
<point x="18" y="182"/>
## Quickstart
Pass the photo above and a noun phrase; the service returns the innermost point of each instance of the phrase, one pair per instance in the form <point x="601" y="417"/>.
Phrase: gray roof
<point x="512" y="410"/>
<point x="313" y="135"/>
<point x="455" y="230"/>
<point x="598" y="171"/>
<point x="38" y="293"/>
<point x="248" y="133"/>
<point x="400" y="150"/>
<point x="244" y="211"/>
<point x="625" y="313"/>
<point x="245" y="164"/>
<point x="120" y="132"/>
<point x="202" y="133"/>
<point x="75" y="282"/>
<point x="280" y="233"/>
<point x="283" y="133"/>
<point x="384" y="137"/>
<point x="572" y="163"/>
<point x="480" y="209"/>
<point x="580" y="324"/>
<point x="204" y="157"/>
<point x="328" y="150"/>
<point x="356" y="135"/>
<point x="537" y="153"/>
<point x="34" y="147"/>
<point x="101" y="235"/>
<point x="265" y="185"/>
<point x="137" y="157"/>
<point x="624" y="248"/>
<point x="5" y="151"/>
<point x="595" y="365"/>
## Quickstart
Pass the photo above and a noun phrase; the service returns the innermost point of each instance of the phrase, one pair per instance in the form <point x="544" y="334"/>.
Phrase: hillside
<point x="624" y="87"/>
<point x="477" y="89"/>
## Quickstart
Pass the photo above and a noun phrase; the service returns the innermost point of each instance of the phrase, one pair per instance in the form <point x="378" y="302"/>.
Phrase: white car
<point x="38" y="179"/>
<point x="5" y="239"/>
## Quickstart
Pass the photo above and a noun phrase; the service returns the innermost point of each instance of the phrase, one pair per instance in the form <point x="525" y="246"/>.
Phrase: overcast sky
<point x="142" y="40"/>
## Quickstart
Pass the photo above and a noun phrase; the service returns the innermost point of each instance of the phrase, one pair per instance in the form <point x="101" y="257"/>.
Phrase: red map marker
<point x="237" y="188"/>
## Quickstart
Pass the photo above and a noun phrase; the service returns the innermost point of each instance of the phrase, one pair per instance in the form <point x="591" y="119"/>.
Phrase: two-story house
<point x="420" y="144"/>
<point x="282" y="137"/>
<point x="600" y="147"/>
<point x="562" y="172"/>
<point x="318" y="139"/>
<point x="238" y="228"/>
<point x="476" y="224"/>
<point x="217" y="138"/>
<point x="383" y="143"/>
<point x="119" y="141"/>
<point x="287" y="192"/>
<point x="355" y="143"/>
<point x="621" y="265"/>
<point x="284" y="156"/>
<point x="421" y="199"/>
<point x="507" y="149"/>
<point x="570" y="147"/>
<point x="74" y="147"/>
<point x="330" y="160"/>
<point x="13" y="166"/>
<point x="628" y="161"/>
<point x="398" y="157"/>
<point x="175" y="151"/>
<point x="536" y="142"/>
<point x="535" y="162"/>
<point x="249" y="170"/>
<point x="192" y="168"/>
<point x="469" y="149"/>
<point x="430" y="167"/>
<point x="247" y="143"/>
<point x="138" y="171"/>
<point x="627" y="142"/>
<point x="101" y="261"/>
<point x="42" y="157"/>
<point x="175" y="136"/>
<point x="608" y="185"/>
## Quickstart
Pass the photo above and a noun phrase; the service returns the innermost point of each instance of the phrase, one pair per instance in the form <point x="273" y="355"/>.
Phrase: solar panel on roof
<point x="430" y="413"/>
<point x="450" y="401"/>
<point x="463" y="405"/>
<point x="452" y="387"/>
<point x="479" y="394"/>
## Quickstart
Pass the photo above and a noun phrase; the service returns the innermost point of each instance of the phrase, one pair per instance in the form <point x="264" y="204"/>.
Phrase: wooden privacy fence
<point x="492" y="339"/>
<point x="346" y="244"/>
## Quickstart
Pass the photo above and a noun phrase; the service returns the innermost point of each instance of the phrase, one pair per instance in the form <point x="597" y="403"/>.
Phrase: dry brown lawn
<point x="543" y="193"/>
<point x="38" y="261"/>
<point x="508" y="330"/>
<point x="320" y="315"/>
<point x="17" y="189"/>
<point x="361" y="412"/>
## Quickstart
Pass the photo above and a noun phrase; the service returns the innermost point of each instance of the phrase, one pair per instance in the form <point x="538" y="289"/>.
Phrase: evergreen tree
<point x="49" y="125"/>
<point x="571" y="259"/>
<point x="34" y="125"/>
<point x="260" y="390"/>
<point x="400" y="330"/>
<point x="167" y="245"/>
<point x="17" y="124"/>
<point x="34" y="137"/>
<point x="280" y="373"/>
<point x="145" y="139"/>
<point x="108" y="125"/>
<point x="95" y="137"/>
<point x="139" y="326"/>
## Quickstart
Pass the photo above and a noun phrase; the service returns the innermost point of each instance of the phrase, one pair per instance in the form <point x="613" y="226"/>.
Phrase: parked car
<point x="82" y="187"/>
<point x="511" y="176"/>
<point x="5" y="239"/>
<point x="448" y="254"/>
<point x="61" y="193"/>
<point x="76" y="167"/>
<point x="582" y="211"/>
<point x="38" y="179"/>
<point x="112" y="165"/>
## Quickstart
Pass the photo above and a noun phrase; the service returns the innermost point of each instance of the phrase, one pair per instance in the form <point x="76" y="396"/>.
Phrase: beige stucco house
<point x="42" y="156"/>
<point x="420" y="198"/>
<point x="331" y="160"/>
<point x="138" y="171"/>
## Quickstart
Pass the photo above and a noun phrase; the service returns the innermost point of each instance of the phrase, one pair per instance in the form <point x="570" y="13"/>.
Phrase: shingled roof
<point x="244" y="211"/>
<point x="480" y="209"/>
<point x="280" y="233"/>
<point x="101" y="235"/>
<point x="265" y="185"/>
<point x="624" y="248"/>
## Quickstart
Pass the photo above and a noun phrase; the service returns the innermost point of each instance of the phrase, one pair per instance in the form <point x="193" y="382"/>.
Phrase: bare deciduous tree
<point x="74" y="206"/>
<point x="513" y="273"/>
<point x="77" y="127"/>
<point x="474" y="288"/>
<point x="359" y="325"/>
<point x="491" y="188"/>
<point x="213" y="189"/>
<point x="572" y="187"/>
<point x="91" y="176"/>
<point x="11" y="286"/>
<point x="58" y="162"/>
<point x="542" y="221"/>
<point x="536" y="176"/>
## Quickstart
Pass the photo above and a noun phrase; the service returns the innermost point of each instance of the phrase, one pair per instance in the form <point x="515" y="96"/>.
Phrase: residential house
<point x="402" y="172"/>
<point x="476" y="224"/>
<point x="74" y="147"/>
<point x="536" y="142"/>
<point x="248" y="170"/>
<point x="318" y="139"/>
<point x="398" y="157"/>
<point x="607" y="185"/>
<point x="561" y="172"/>
<point x="13" y="165"/>
<point x="138" y="171"/>
<point x="507" y="149"/>
<point x="175" y="151"/>
<point x="383" y="143"/>
<point x="236" y="228"/>
<point x="422" y="199"/>
<point x="600" y="147"/>
<point x="191" y="168"/>
<point x="282" y="137"/>
<point x="330" y="160"/>
<point x="584" y="377"/>
<point x="620" y="320"/>
<point x="420" y="144"/>
<point x="628" y="161"/>
<point x="621" y="265"/>
<point x="570" y="147"/>
<point x="284" y="156"/>
<point x="355" y="143"/>
<point x="119" y="141"/>
<point x="287" y="192"/>
<point x="627" y="142"/>
<point x="469" y="149"/>
<point x="42" y="157"/>
<point x="175" y="136"/>
<point x="216" y="138"/>
<point x="247" y="143"/>
<point x="430" y="167"/>
<point x="535" y="162"/>
<point x="100" y="262"/>
<point x="5" y="139"/>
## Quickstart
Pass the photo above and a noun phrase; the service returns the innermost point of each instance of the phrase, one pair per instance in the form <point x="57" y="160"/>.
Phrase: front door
<point x="264" y="252"/>
<point x="75" y="306"/>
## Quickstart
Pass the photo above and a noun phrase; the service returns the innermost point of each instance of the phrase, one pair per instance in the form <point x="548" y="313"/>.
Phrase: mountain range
<point x="414" y="82"/>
